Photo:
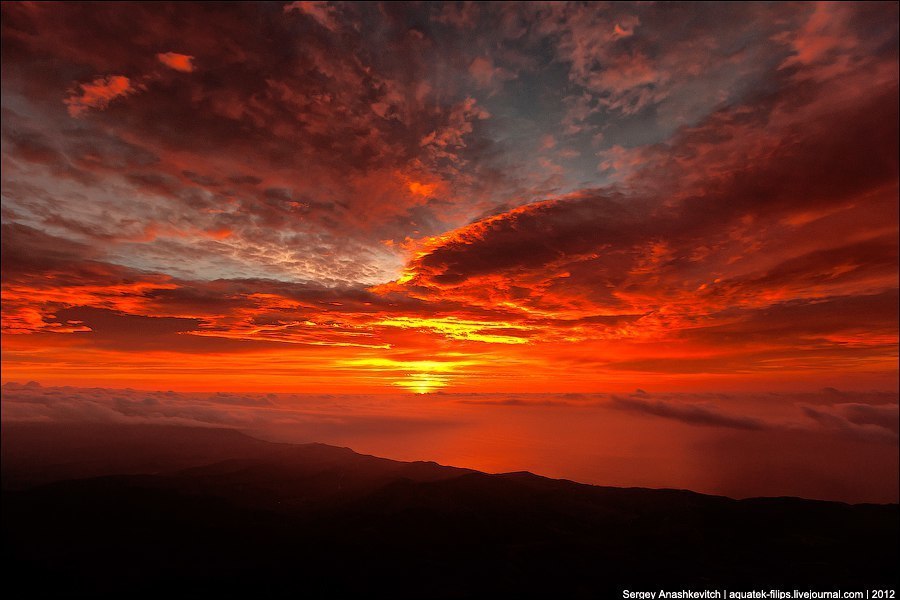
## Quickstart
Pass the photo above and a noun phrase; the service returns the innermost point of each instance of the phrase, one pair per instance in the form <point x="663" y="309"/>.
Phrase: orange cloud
<point x="421" y="189"/>
<point x="179" y="62"/>
<point x="98" y="94"/>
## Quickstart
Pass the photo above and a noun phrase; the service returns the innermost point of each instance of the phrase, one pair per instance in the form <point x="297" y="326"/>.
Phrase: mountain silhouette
<point x="94" y="509"/>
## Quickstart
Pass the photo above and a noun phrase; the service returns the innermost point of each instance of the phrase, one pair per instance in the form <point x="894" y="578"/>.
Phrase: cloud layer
<point x="356" y="197"/>
<point x="825" y="444"/>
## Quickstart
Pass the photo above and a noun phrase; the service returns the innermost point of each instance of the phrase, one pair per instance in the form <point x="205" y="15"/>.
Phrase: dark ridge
<point x="158" y="510"/>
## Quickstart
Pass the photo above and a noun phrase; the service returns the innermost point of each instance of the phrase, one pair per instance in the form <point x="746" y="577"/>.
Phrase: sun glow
<point x="495" y="332"/>
<point x="422" y="383"/>
<point x="417" y="376"/>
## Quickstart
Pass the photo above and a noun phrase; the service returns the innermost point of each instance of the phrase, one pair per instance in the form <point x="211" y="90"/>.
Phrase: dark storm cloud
<point x="878" y="423"/>
<point x="687" y="413"/>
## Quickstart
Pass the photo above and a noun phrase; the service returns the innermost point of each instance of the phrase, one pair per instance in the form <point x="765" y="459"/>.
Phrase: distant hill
<point x="163" y="510"/>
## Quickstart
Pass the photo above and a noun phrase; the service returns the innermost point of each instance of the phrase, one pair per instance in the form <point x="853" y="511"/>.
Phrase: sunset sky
<point x="327" y="198"/>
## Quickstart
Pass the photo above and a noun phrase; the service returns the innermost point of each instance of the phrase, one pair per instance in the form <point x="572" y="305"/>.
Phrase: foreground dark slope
<point x="171" y="510"/>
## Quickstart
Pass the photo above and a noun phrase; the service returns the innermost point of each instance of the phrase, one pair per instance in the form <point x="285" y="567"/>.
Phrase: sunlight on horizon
<point x="422" y="383"/>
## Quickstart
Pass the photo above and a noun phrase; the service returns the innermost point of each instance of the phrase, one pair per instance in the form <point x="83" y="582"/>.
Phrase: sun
<point x="422" y="383"/>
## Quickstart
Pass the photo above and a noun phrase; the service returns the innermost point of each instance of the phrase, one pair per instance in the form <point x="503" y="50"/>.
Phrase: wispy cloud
<point x="98" y="93"/>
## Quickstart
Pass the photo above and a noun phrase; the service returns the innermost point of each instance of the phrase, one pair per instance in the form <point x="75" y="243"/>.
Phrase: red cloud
<point x="484" y="72"/>
<point x="98" y="94"/>
<point x="179" y="62"/>
<point x="322" y="12"/>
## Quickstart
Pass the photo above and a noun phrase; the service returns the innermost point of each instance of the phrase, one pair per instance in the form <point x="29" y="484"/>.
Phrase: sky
<point x="467" y="198"/>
